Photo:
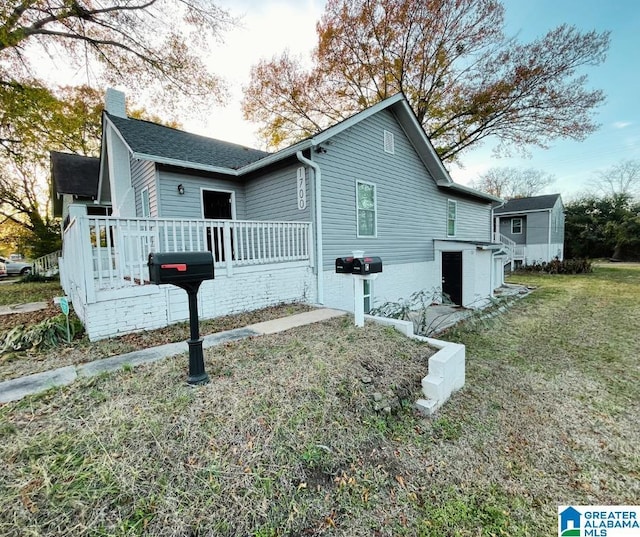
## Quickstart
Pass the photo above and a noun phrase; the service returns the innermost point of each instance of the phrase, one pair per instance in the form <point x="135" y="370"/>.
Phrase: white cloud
<point x="622" y="124"/>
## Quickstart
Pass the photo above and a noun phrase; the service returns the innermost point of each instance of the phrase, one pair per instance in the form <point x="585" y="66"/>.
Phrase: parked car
<point x="16" y="267"/>
<point x="3" y="270"/>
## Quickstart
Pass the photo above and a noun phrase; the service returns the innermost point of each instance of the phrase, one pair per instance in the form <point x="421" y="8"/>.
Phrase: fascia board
<point x="357" y="118"/>
<point x="185" y="164"/>
<point x="421" y="143"/>
<point x="472" y="192"/>
<point x="101" y="172"/>
<point x="112" y="125"/>
<point x="515" y="213"/>
<point x="275" y="157"/>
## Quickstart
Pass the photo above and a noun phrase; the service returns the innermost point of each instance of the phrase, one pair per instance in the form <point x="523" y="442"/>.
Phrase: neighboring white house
<point x="533" y="228"/>
<point x="275" y="222"/>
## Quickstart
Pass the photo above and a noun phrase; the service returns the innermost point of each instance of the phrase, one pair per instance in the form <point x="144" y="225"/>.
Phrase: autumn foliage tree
<point x="155" y="48"/>
<point x="464" y="78"/>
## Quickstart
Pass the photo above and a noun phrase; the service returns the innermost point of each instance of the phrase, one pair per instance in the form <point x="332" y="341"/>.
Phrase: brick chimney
<point x="114" y="103"/>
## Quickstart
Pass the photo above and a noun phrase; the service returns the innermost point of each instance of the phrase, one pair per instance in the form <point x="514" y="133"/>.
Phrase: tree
<point x="464" y="79"/>
<point x="153" y="46"/>
<point x="623" y="178"/>
<point x="606" y="226"/>
<point x="510" y="183"/>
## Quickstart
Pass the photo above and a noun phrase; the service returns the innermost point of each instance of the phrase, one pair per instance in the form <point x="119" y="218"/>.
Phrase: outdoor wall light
<point x="180" y="189"/>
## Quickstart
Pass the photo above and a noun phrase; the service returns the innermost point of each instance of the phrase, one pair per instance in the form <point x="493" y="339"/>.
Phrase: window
<point x="452" y="214"/>
<point x="367" y="296"/>
<point x="389" y="146"/>
<point x="366" y="209"/>
<point x="144" y="203"/>
<point x="516" y="226"/>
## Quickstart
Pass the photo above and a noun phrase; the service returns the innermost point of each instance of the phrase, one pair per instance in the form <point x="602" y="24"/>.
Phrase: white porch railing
<point x="515" y="251"/>
<point x="47" y="264"/>
<point x="107" y="252"/>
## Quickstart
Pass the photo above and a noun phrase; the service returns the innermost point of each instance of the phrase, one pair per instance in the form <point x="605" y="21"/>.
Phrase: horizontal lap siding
<point x="538" y="228"/>
<point x="557" y="232"/>
<point x="189" y="204"/>
<point x="473" y="220"/>
<point x="411" y="210"/>
<point x="273" y="196"/>
<point x="143" y="174"/>
<point x="505" y="229"/>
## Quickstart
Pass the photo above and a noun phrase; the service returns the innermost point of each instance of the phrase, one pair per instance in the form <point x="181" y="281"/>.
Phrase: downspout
<point x="318" y="210"/>
<point x="549" y="238"/>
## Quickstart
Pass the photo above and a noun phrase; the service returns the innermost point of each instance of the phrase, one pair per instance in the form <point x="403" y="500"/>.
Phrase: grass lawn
<point x="286" y="439"/>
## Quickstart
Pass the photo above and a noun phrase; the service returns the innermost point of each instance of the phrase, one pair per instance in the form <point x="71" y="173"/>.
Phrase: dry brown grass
<point x="286" y="439"/>
<point x="16" y="364"/>
<point x="286" y="428"/>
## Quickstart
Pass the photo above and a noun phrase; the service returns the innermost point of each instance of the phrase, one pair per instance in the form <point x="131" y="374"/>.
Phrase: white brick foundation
<point x="394" y="283"/>
<point x="149" y="307"/>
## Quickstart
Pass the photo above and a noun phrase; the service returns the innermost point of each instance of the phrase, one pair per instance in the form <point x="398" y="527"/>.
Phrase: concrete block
<point x="426" y="406"/>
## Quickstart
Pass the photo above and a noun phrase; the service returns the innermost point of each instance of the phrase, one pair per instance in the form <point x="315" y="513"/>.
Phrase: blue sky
<point x="271" y="26"/>
<point x="618" y="138"/>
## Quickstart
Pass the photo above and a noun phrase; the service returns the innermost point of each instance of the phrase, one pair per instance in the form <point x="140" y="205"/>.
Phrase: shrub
<point x="566" y="266"/>
<point x="33" y="277"/>
<point x="46" y="334"/>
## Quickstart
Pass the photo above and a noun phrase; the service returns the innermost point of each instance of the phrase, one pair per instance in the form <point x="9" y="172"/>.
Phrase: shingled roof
<point x="75" y="174"/>
<point x="146" y="138"/>
<point x="536" y="203"/>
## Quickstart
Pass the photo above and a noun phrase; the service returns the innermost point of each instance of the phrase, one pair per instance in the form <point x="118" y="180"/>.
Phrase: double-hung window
<point x="452" y="216"/>
<point x="366" y="209"/>
<point x="516" y="226"/>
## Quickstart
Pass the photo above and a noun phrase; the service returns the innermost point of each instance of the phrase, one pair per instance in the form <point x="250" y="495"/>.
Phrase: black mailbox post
<point x="367" y="265"/>
<point x="186" y="270"/>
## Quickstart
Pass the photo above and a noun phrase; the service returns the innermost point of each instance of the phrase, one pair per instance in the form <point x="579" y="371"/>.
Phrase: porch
<point x="104" y="267"/>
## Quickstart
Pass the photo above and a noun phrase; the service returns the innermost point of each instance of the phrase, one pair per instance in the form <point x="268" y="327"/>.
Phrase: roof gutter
<point x="318" y="210"/>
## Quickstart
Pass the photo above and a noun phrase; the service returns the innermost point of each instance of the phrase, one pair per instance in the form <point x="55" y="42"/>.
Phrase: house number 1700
<point x="302" y="188"/>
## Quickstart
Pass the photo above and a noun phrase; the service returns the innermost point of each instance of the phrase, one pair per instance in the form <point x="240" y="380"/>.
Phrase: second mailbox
<point x="367" y="265"/>
<point x="180" y="267"/>
<point x="344" y="265"/>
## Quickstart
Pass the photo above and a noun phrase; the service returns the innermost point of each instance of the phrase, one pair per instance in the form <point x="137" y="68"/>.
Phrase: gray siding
<point x="274" y="197"/>
<point x="505" y="229"/>
<point x="538" y="228"/>
<point x="143" y="174"/>
<point x="473" y="222"/>
<point x="189" y="205"/>
<point x="411" y="210"/>
<point x="557" y="223"/>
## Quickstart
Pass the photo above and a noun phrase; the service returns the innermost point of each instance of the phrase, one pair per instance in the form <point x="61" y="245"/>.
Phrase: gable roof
<point x="166" y="145"/>
<point x="535" y="203"/>
<point x="154" y="140"/>
<point x="75" y="174"/>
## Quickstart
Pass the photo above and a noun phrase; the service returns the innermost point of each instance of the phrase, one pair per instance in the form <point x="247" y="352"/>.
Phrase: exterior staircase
<point x="515" y="252"/>
<point x="47" y="265"/>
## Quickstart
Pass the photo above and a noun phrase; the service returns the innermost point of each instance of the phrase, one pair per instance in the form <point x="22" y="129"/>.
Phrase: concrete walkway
<point x="16" y="389"/>
<point x="22" y="308"/>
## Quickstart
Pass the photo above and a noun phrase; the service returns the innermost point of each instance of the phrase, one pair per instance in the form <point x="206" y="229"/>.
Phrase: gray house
<point x="276" y="222"/>
<point x="532" y="227"/>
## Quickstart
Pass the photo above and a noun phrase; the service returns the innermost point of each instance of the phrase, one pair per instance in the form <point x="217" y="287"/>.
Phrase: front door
<point x="452" y="276"/>
<point x="217" y="205"/>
